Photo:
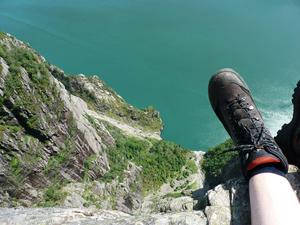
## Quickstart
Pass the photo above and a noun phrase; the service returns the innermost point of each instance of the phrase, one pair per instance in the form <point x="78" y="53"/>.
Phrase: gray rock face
<point x="178" y="204"/>
<point x="124" y="196"/>
<point x="54" y="216"/>
<point x="129" y="192"/>
<point x="3" y="72"/>
<point x="43" y="132"/>
<point x="49" y="134"/>
<point x="226" y="204"/>
<point x="229" y="203"/>
<point x="92" y="142"/>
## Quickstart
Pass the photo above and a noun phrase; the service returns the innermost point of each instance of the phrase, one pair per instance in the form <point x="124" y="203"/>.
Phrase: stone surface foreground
<point x="68" y="216"/>
<point x="226" y="204"/>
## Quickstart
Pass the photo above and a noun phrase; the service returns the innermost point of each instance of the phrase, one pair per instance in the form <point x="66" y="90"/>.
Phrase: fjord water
<point x="163" y="52"/>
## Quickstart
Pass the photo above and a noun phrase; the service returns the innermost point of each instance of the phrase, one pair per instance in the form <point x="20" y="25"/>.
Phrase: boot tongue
<point x="240" y="114"/>
<point x="254" y="130"/>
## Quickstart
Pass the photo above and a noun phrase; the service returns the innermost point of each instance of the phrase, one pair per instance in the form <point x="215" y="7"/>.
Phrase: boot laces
<point x="260" y="136"/>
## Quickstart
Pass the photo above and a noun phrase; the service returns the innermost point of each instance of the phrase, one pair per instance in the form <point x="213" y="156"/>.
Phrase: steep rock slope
<point x="72" y="141"/>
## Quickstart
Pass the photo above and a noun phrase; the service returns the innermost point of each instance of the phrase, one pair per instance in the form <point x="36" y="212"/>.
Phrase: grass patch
<point x="87" y="165"/>
<point x="192" y="186"/>
<point x="90" y="198"/>
<point x="174" y="195"/>
<point x="56" y="162"/>
<point x="2" y="35"/>
<point x="191" y="165"/>
<point x="127" y="148"/>
<point x="10" y="128"/>
<point x="214" y="161"/>
<point x="15" y="168"/>
<point x="161" y="161"/>
<point x="53" y="196"/>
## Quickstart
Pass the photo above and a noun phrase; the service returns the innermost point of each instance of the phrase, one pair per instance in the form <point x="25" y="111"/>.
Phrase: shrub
<point x="90" y="198"/>
<point x="16" y="169"/>
<point x="174" y="195"/>
<point x="53" y="195"/>
<point x="161" y="161"/>
<point x="127" y="148"/>
<point x="191" y="166"/>
<point x="2" y="35"/>
<point x="215" y="160"/>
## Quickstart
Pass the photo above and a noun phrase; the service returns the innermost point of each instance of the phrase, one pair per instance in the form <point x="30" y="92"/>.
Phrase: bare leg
<point x="273" y="201"/>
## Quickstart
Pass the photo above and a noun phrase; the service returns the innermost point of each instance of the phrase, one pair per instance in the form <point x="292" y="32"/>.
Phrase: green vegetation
<point x="182" y="186"/>
<point x="21" y="88"/>
<point x="33" y="122"/>
<point x="162" y="164"/>
<point x="90" y="198"/>
<point x="87" y="164"/>
<point x="9" y="128"/>
<point x="2" y="35"/>
<point x="27" y="139"/>
<point x="192" y="186"/>
<point x="191" y="165"/>
<point x="174" y="195"/>
<point x="52" y="196"/>
<point x="57" y="161"/>
<point x="215" y="160"/>
<point x="15" y="170"/>
<point x="134" y="187"/>
<point x="2" y="52"/>
<point x="146" y="119"/>
<point x="161" y="161"/>
<point x="32" y="157"/>
<point x="127" y="148"/>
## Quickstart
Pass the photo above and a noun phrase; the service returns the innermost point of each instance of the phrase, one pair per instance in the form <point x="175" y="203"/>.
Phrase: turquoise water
<point x="162" y="52"/>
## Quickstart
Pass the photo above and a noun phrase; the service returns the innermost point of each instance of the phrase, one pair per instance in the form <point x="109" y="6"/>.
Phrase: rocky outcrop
<point x="226" y="204"/>
<point x="44" y="134"/>
<point x="92" y="217"/>
<point x="125" y="196"/>
<point x="179" y="195"/>
<point x="54" y="127"/>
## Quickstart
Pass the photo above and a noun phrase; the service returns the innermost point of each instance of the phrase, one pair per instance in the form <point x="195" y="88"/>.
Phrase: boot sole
<point x="285" y="134"/>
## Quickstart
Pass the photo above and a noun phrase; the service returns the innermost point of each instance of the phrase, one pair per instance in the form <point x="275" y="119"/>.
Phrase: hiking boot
<point x="288" y="137"/>
<point x="232" y="102"/>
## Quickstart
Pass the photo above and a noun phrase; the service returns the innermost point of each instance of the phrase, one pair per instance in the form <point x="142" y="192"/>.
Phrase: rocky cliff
<point x="73" y="145"/>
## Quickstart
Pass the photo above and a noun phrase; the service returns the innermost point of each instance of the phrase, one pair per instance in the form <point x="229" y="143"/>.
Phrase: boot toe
<point x="220" y="80"/>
